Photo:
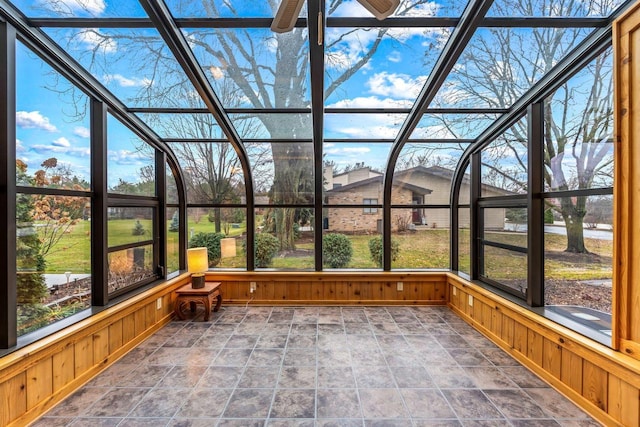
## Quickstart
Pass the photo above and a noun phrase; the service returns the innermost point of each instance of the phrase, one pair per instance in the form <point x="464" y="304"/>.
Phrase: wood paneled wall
<point x="330" y="288"/>
<point x="626" y="253"/>
<point x="36" y="377"/>
<point x="604" y="382"/>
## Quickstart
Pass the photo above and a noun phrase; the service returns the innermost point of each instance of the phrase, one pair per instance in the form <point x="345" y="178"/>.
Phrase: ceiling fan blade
<point x="286" y="16"/>
<point x="380" y="8"/>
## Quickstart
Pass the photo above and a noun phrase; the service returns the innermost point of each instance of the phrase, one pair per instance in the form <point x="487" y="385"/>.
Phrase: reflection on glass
<point x="508" y="268"/>
<point x="129" y="225"/>
<point x="213" y="173"/>
<point x="464" y="195"/>
<point x="363" y="234"/>
<point x="173" y="240"/>
<point x="282" y="173"/>
<point x="130" y="162"/>
<point x="579" y="150"/>
<point x="221" y="9"/>
<point x="464" y="241"/>
<point x="53" y="259"/>
<point x="500" y="64"/>
<point x="506" y="225"/>
<point x="580" y="278"/>
<point x="209" y="226"/>
<point x="284" y="238"/>
<point x="411" y="8"/>
<point x="422" y="237"/>
<point x="130" y="266"/>
<point x="504" y="163"/>
<point x="52" y="142"/>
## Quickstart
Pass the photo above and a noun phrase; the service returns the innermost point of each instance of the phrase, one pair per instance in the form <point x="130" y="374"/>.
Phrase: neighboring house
<point x="415" y="186"/>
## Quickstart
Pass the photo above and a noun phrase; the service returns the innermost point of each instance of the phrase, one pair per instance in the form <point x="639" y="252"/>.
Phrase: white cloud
<point x="19" y="146"/>
<point x="34" y="120"/>
<point x="395" y="85"/>
<point x="61" y="142"/>
<point x="346" y="150"/>
<point x="94" y="39"/>
<point x="126" y="157"/>
<point x="126" y="82"/>
<point x="82" y="132"/>
<point x="394" y="56"/>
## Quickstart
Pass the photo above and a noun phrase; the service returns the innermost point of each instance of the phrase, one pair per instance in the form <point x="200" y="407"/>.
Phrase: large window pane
<point x="422" y="238"/>
<point x="579" y="146"/>
<point x="284" y="238"/>
<point x="452" y="126"/>
<point x="580" y="278"/>
<point x="426" y="170"/>
<point x="130" y="162"/>
<point x="53" y="254"/>
<point x="506" y="225"/>
<point x="228" y="224"/>
<point x="129" y="225"/>
<point x="212" y="172"/>
<point x="504" y="163"/>
<point x="173" y="240"/>
<point x="508" y="268"/>
<point x="282" y="173"/>
<point x="52" y="138"/>
<point x="130" y="266"/>
<point x="362" y="228"/>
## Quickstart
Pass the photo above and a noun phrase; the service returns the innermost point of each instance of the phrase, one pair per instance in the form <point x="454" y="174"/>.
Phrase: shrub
<point x="138" y="229"/>
<point x="266" y="248"/>
<point x="336" y="250"/>
<point x="375" y="250"/>
<point x="548" y="216"/>
<point x="211" y="241"/>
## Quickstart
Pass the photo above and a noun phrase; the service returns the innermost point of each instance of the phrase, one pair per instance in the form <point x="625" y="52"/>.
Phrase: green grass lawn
<point x="423" y="249"/>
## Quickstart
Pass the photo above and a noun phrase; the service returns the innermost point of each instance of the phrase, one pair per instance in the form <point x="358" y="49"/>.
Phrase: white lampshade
<point x="197" y="260"/>
<point x="228" y="247"/>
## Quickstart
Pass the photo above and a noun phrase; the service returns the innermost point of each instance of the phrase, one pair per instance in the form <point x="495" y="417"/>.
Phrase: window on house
<point x="370" y="210"/>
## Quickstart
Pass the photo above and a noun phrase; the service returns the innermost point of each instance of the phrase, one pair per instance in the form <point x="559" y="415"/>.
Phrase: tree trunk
<point x="573" y="212"/>
<point x="216" y="219"/>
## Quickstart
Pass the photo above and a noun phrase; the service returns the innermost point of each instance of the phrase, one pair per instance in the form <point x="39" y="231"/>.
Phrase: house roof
<point x="379" y="181"/>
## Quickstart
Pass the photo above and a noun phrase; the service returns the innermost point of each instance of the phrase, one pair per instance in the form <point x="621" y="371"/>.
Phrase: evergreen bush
<point x="266" y="248"/>
<point x="375" y="250"/>
<point x="336" y="250"/>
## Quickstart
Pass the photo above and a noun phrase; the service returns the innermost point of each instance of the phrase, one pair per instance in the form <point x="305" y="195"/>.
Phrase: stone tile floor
<point x="317" y="366"/>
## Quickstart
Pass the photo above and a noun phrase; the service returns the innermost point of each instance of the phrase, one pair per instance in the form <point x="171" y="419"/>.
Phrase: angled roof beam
<point x="165" y="24"/>
<point x="470" y="20"/>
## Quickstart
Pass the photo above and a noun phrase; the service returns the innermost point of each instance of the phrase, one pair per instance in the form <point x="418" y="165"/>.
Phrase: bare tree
<point x="500" y="64"/>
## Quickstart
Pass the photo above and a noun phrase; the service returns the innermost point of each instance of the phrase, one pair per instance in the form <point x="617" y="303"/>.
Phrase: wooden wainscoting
<point x="36" y="377"/>
<point x="333" y="288"/>
<point x="604" y="382"/>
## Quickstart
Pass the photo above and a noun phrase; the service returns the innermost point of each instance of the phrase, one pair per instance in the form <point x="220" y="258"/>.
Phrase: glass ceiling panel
<point x="224" y="9"/>
<point x="422" y="8"/>
<point x="187" y="125"/>
<point x="395" y="72"/>
<point x="553" y="8"/>
<point x="255" y="68"/>
<point x="500" y="64"/>
<point x="80" y="8"/>
<point x="134" y="64"/>
<point x="263" y="126"/>
<point x="452" y="126"/>
<point x="362" y="126"/>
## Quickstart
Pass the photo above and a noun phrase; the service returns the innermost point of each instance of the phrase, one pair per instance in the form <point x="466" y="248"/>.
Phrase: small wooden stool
<point x="187" y="294"/>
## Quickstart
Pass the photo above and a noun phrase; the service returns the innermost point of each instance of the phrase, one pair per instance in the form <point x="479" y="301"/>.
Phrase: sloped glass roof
<point x="213" y="70"/>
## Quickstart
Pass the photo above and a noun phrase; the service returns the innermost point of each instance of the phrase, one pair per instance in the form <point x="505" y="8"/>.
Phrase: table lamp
<point x="228" y="247"/>
<point x="198" y="263"/>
